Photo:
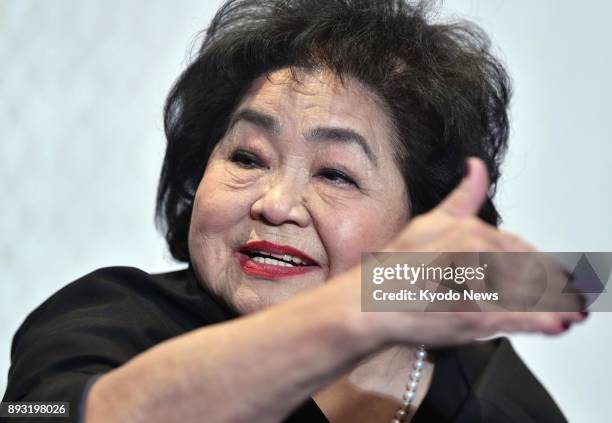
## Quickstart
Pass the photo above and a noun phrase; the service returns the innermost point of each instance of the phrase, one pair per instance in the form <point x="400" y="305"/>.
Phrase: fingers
<point x="548" y="323"/>
<point x="438" y="329"/>
<point x="468" y="197"/>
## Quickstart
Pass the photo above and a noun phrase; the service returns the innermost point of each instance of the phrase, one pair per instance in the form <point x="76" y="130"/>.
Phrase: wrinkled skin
<point x="285" y="190"/>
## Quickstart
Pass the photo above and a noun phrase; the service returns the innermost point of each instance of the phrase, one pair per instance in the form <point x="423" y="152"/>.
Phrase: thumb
<point x="468" y="197"/>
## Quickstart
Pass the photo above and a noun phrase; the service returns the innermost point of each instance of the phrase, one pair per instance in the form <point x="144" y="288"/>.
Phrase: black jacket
<point x="100" y="321"/>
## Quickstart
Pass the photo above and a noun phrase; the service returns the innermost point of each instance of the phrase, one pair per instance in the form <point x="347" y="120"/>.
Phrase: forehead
<point x="303" y="97"/>
<point x="317" y="84"/>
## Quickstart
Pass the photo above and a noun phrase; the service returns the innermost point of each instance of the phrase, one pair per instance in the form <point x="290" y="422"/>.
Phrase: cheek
<point x="218" y="212"/>
<point x="347" y="236"/>
<point x="218" y="206"/>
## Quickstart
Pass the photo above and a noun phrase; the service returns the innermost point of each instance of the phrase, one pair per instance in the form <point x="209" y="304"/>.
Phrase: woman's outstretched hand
<point x="453" y="226"/>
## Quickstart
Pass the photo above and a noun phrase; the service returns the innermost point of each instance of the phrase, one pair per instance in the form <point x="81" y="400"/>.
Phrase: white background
<point x="82" y="86"/>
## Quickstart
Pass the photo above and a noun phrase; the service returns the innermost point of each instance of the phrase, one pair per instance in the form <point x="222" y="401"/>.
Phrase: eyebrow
<point x="342" y="135"/>
<point x="262" y="120"/>
<point x="330" y="134"/>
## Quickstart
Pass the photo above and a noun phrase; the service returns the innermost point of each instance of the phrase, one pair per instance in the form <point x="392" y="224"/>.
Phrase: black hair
<point x="446" y="94"/>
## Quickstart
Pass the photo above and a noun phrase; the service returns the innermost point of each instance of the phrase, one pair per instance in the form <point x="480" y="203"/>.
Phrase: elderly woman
<point x="303" y="134"/>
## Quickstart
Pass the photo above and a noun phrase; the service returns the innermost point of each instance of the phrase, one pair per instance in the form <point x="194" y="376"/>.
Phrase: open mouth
<point x="272" y="261"/>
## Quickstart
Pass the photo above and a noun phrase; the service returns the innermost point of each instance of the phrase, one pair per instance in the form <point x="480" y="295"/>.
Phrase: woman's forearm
<point x="256" y="368"/>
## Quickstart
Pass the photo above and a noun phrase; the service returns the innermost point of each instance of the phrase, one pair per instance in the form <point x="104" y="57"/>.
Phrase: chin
<point x="247" y="302"/>
<point x="249" y="299"/>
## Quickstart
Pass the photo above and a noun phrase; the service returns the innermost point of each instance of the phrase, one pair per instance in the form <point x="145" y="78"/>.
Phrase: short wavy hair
<point x="446" y="94"/>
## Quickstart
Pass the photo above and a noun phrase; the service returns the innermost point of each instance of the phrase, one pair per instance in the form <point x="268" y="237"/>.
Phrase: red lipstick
<point x="265" y="249"/>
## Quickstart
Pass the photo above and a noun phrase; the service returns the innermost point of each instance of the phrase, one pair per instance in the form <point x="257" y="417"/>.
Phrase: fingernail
<point x="566" y="325"/>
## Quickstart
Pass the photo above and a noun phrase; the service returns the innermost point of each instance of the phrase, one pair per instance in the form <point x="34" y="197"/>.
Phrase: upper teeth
<point x="272" y="261"/>
<point x="284" y="257"/>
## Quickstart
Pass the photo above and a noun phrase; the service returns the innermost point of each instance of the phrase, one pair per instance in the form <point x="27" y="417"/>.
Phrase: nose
<point x="282" y="201"/>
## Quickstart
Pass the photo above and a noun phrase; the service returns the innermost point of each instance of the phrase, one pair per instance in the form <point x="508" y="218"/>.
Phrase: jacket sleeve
<point x="88" y="328"/>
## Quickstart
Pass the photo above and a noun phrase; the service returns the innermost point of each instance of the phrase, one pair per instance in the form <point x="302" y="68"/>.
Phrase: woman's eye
<point x="245" y="159"/>
<point x="337" y="177"/>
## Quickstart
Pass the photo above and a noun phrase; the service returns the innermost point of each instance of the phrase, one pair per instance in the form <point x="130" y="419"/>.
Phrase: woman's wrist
<point x="363" y="329"/>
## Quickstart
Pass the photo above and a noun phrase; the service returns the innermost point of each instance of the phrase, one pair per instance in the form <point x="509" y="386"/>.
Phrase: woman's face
<point x="302" y="182"/>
